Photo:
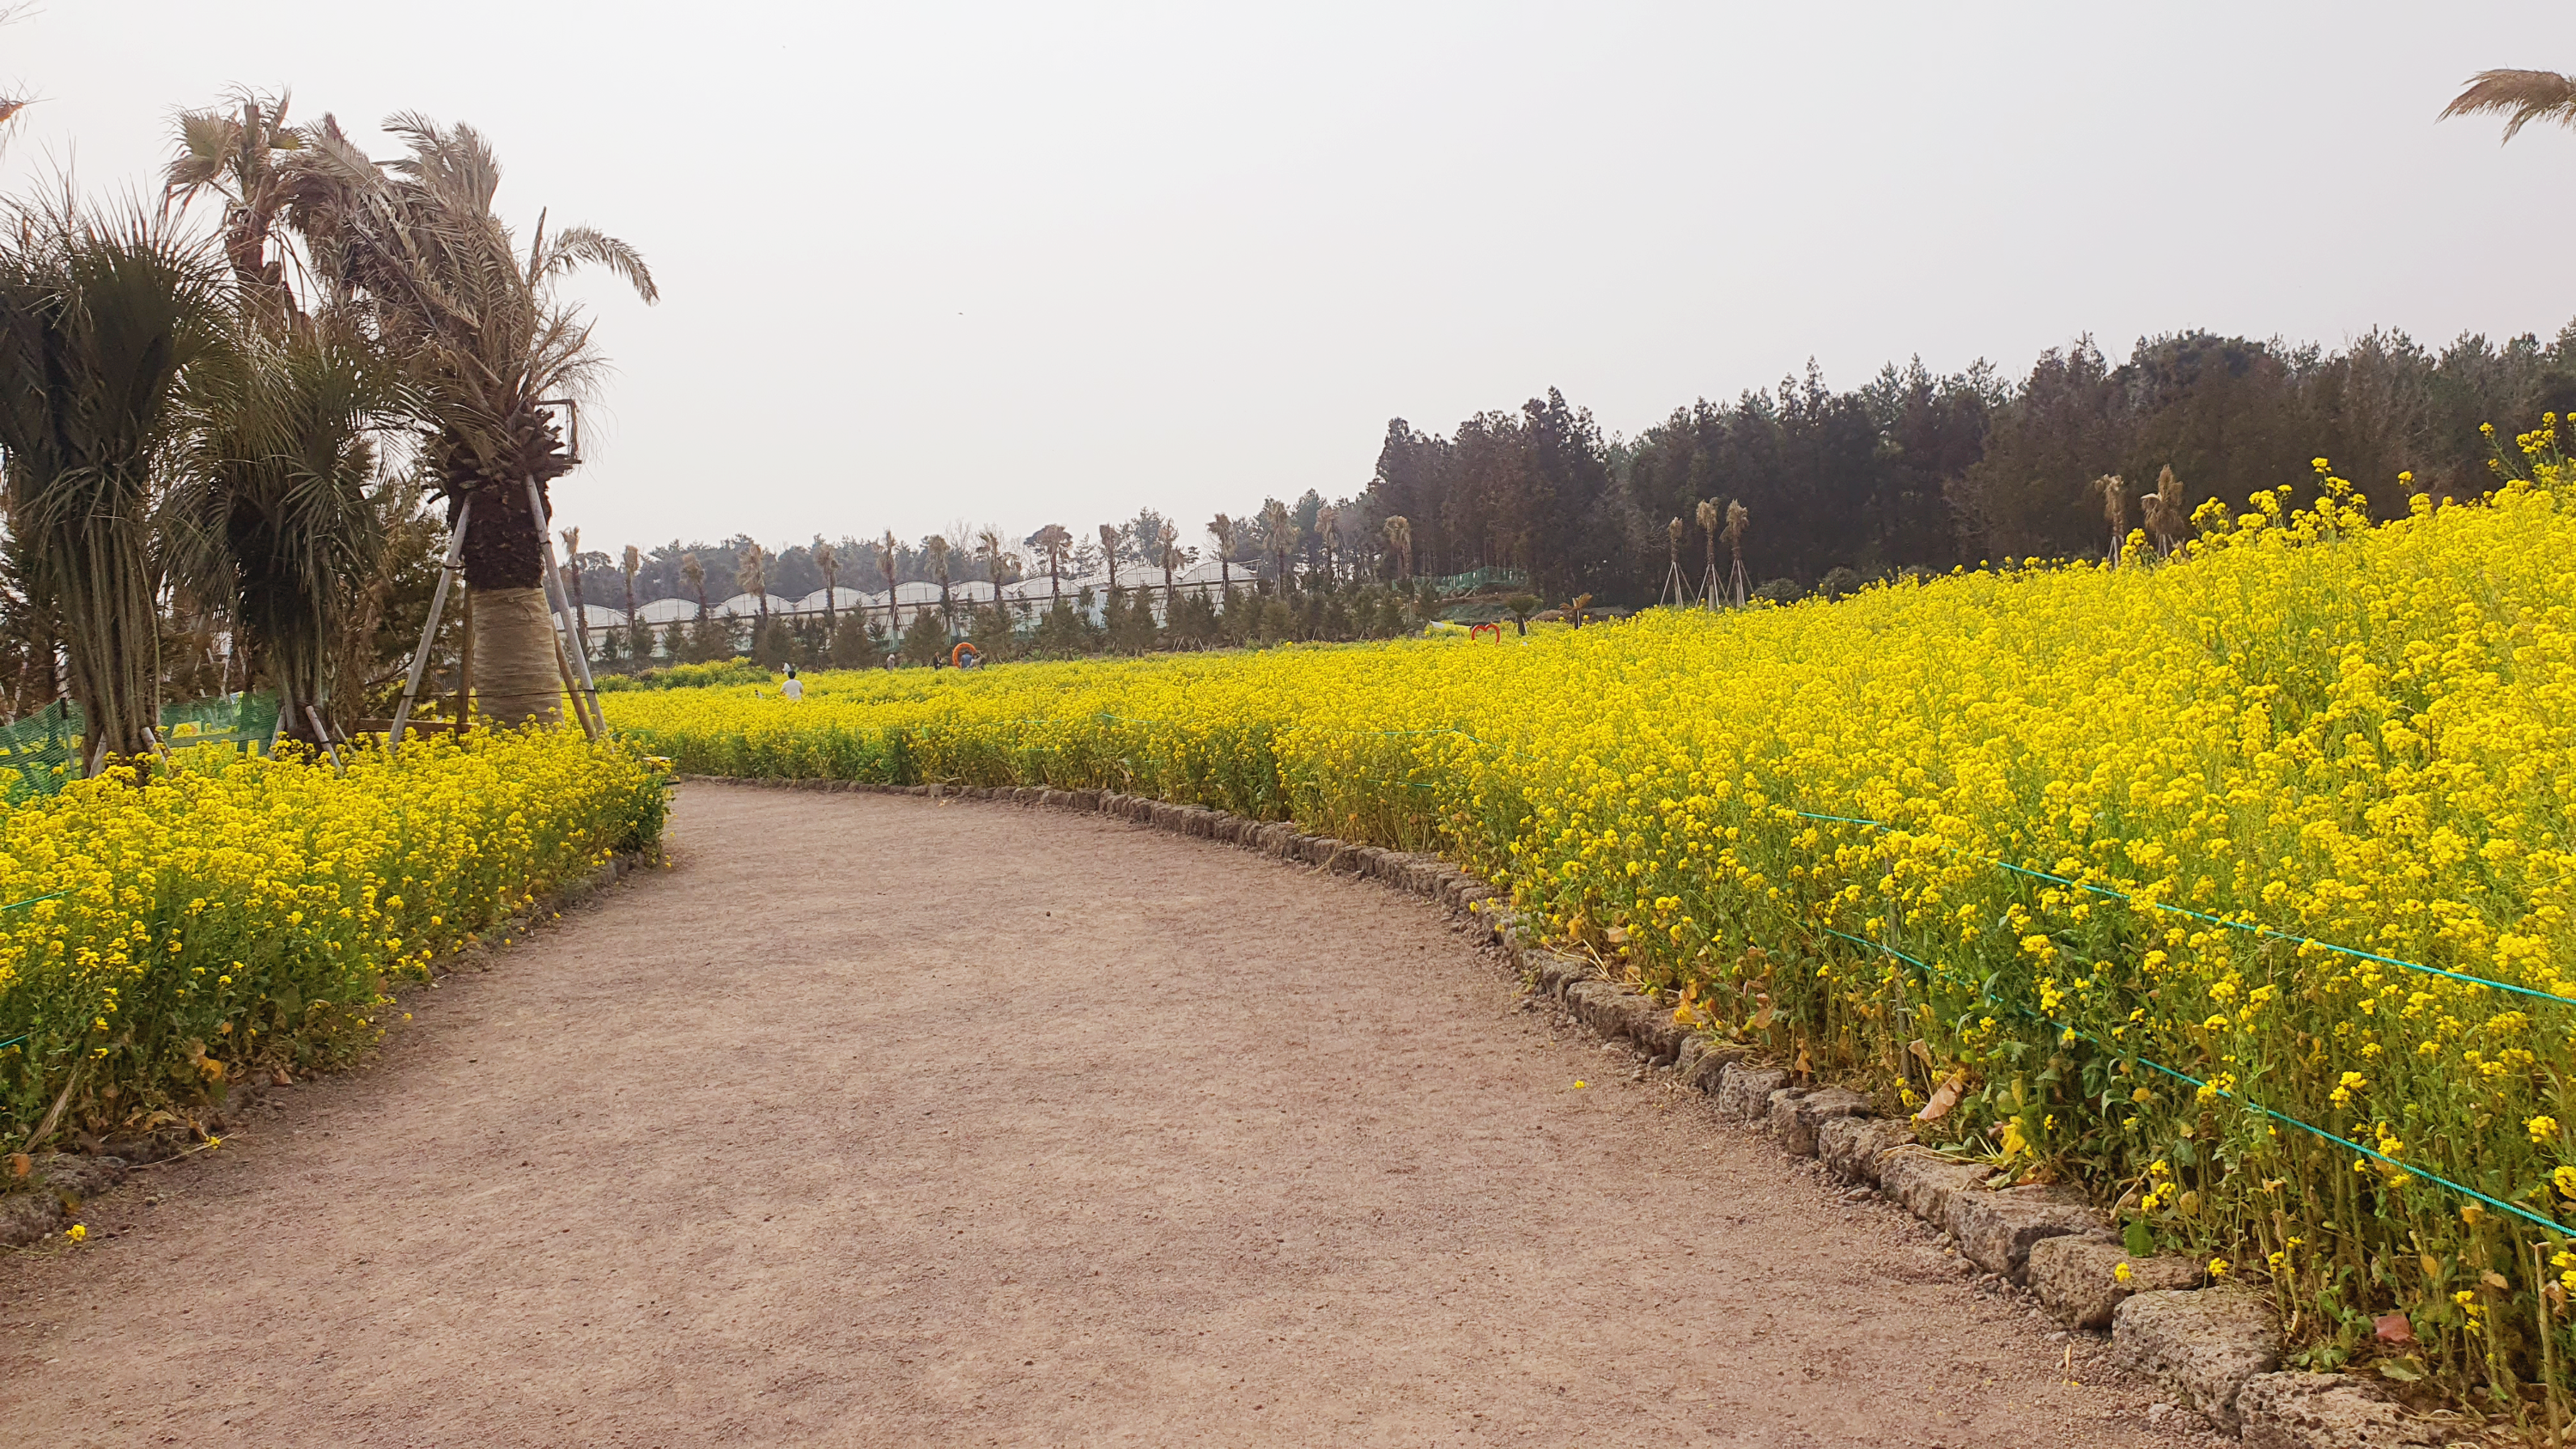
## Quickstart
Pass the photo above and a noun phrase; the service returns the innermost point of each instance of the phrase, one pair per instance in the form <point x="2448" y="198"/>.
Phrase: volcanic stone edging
<point x="59" y="1183"/>
<point x="2207" y="1347"/>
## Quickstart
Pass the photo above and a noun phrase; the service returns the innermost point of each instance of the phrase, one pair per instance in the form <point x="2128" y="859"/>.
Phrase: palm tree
<point x="572" y="585"/>
<point x="1325" y="519"/>
<point x="1707" y="515"/>
<point x="272" y="512"/>
<point x="2163" y="511"/>
<point x="2115" y="509"/>
<point x="100" y="319"/>
<point x="1738" y="518"/>
<point x="752" y="577"/>
<point x="475" y="321"/>
<point x="890" y="552"/>
<point x="1399" y="536"/>
<point x="246" y="154"/>
<point x="1170" y="538"/>
<point x="937" y="547"/>
<point x="1055" y="541"/>
<point x="1221" y="528"/>
<point x="988" y="542"/>
<point x="637" y="631"/>
<point x="694" y="574"/>
<point x="2521" y="96"/>
<point x="1281" y="531"/>
<point x="1109" y="553"/>
<point x="828" y="561"/>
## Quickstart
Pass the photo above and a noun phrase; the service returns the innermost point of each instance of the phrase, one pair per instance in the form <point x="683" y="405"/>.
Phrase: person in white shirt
<point x="794" y="689"/>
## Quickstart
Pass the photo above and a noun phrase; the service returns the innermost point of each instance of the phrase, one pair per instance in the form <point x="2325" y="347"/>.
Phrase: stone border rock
<point x="51" y="1198"/>
<point x="2218" y="1350"/>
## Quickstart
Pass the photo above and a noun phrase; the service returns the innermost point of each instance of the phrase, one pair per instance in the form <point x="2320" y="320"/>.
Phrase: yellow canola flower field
<point x="2059" y="856"/>
<point x="242" y="912"/>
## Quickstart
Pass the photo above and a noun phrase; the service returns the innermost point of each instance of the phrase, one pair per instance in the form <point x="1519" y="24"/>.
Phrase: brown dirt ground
<point x="884" y="1121"/>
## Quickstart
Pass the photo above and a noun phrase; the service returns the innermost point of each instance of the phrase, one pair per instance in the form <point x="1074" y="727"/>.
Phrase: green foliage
<point x="853" y="643"/>
<point x="925" y="639"/>
<point x="687" y="676"/>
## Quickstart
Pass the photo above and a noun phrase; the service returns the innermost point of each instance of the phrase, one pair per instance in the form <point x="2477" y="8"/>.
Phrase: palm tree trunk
<point x="513" y="631"/>
<point x="116" y="658"/>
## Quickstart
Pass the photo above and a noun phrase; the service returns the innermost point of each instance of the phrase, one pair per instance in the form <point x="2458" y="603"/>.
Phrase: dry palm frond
<point x="1707" y="515"/>
<point x="2162" y="511"/>
<point x="2115" y="501"/>
<point x="1399" y="536"/>
<point x="1738" y="518"/>
<point x="2521" y="96"/>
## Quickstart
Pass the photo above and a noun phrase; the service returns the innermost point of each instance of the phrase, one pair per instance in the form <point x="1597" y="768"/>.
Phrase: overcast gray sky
<point x="1049" y="262"/>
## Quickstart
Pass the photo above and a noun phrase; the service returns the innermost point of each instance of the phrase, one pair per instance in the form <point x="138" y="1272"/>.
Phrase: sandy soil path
<point x="883" y="1121"/>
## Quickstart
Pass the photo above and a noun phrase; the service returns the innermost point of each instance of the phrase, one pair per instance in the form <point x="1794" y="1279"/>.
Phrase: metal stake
<point x="323" y="733"/>
<point x="558" y="601"/>
<point x="437" y="606"/>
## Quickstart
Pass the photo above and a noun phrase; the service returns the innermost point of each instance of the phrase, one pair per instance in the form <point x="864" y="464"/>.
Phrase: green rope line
<point x="2408" y="1168"/>
<point x="2247" y="927"/>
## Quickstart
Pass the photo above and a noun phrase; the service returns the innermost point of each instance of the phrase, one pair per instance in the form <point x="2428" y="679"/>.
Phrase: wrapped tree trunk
<point x="515" y="677"/>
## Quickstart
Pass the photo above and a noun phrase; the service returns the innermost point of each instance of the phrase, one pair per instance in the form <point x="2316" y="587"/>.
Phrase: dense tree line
<point x="1919" y="471"/>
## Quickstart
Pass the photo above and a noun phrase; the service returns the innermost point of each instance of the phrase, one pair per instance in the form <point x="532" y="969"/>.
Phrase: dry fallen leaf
<point x="2393" y="1328"/>
<point x="1945" y="1097"/>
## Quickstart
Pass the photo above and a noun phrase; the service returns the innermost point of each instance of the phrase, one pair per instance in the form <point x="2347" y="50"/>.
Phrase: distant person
<point x="794" y="689"/>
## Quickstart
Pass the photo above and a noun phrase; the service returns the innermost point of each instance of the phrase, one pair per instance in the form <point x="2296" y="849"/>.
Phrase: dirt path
<point x="881" y="1121"/>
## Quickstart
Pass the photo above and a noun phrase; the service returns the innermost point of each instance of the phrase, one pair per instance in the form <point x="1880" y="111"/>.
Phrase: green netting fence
<point x="42" y="751"/>
<point x="1477" y="581"/>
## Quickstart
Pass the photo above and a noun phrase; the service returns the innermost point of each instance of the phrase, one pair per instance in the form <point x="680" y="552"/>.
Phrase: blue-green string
<point x="2264" y="931"/>
<point x="2408" y="1168"/>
